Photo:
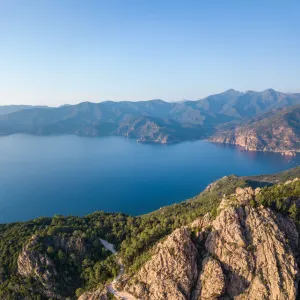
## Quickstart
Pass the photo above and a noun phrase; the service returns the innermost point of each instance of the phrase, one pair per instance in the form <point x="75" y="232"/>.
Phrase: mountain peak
<point x="270" y="90"/>
<point x="231" y="91"/>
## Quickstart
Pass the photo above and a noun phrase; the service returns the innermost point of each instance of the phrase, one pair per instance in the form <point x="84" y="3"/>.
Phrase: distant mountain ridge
<point x="147" y="121"/>
<point x="8" y="109"/>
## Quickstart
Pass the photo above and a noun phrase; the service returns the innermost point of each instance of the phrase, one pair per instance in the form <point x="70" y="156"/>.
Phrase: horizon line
<point x="148" y="100"/>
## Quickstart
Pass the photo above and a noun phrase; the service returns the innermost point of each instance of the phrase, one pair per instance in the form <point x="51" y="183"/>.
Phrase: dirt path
<point x="111" y="287"/>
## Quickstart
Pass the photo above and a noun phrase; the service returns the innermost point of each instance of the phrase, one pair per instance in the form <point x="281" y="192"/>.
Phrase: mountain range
<point x="8" y="109"/>
<point x="146" y="121"/>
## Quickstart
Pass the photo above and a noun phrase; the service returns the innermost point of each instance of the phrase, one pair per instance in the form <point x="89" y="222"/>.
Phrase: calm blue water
<point x="43" y="176"/>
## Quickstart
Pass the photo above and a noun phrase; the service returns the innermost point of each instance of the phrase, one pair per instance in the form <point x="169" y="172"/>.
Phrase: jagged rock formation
<point x="41" y="267"/>
<point x="171" y="272"/>
<point x="246" y="252"/>
<point x="211" y="276"/>
<point x="254" y="254"/>
<point x="32" y="263"/>
<point x="100" y="294"/>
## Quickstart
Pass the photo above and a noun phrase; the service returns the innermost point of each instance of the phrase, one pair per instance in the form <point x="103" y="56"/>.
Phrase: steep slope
<point x="247" y="252"/>
<point x="171" y="272"/>
<point x="277" y="131"/>
<point x="149" y="121"/>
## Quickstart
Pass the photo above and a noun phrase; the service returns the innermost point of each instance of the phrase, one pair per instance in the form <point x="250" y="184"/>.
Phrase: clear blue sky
<point x="67" y="51"/>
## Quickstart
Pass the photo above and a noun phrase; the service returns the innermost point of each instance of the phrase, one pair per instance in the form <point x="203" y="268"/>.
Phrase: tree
<point x="79" y="292"/>
<point x="61" y="255"/>
<point x="294" y="212"/>
<point x="50" y="250"/>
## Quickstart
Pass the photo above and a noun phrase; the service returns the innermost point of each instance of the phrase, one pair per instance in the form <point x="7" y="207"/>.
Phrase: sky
<point x="68" y="51"/>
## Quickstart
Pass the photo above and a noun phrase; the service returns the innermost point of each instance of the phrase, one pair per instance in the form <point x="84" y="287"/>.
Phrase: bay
<point x="71" y="175"/>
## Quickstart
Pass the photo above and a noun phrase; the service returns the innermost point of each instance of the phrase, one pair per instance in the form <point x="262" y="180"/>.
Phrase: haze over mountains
<point x="8" y="109"/>
<point x="147" y="121"/>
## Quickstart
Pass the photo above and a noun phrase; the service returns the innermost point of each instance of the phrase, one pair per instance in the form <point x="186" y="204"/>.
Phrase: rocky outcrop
<point x="172" y="271"/>
<point x="246" y="252"/>
<point x="39" y="266"/>
<point x="211" y="283"/>
<point x="71" y="244"/>
<point x="254" y="254"/>
<point x="99" y="294"/>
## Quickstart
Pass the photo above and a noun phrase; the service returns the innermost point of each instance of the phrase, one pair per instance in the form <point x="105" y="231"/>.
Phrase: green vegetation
<point x="12" y="239"/>
<point x="146" y="230"/>
<point x="282" y="198"/>
<point x="270" y="179"/>
<point x="71" y="243"/>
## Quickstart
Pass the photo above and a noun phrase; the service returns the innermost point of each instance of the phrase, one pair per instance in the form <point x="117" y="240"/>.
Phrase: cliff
<point x="277" y="131"/>
<point x="44" y="269"/>
<point x="171" y="272"/>
<point x="246" y="252"/>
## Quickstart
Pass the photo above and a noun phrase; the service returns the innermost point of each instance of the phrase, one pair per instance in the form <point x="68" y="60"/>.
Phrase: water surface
<point x="43" y="176"/>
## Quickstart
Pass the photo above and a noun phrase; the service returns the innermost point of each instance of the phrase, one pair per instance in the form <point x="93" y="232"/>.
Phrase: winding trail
<point x="111" y="287"/>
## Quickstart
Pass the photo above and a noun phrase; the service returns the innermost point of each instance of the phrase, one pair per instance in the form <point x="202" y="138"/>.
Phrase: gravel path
<point x="111" y="287"/>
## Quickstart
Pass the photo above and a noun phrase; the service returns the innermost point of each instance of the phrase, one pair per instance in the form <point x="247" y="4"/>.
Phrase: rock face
<point x="172" y="271"/>
<point x="211" y="276"/>
<point x="39" y="266"/>
<point x="32" y="262"/>
<point x="100" y="294"/>
<point x="253" y="252"/>
<point x="244" y="253"/>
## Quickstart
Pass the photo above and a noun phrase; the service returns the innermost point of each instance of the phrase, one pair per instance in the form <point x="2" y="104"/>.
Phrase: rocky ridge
<point x="246" y="252"/>
<point x="171" y="272"/>
<point x="99" y="294"/>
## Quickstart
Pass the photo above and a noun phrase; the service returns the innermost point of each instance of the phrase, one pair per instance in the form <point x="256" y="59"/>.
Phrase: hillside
<point x="63" y="258"/>
<point x="245" y="251"/>
<point x="147" y="121"/>
<point x="277" y="131"/>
